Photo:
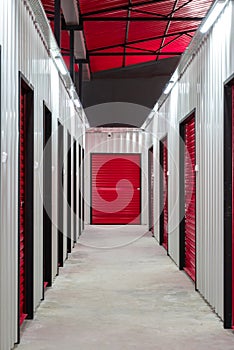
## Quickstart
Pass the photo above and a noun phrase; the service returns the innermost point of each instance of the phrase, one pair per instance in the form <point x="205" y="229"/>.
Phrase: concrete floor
<point x="114" y="293"/>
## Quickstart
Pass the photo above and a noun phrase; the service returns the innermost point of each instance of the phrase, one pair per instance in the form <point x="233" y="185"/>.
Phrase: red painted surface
<point x="165" y="195"/>
<point x="22" y="210"/>
<point x="116" y="194"/>
<point x="100" y="35"/>
<point x="233" y="207"/>
<point x="190" y="198"/>
<point x="152" y="190"/>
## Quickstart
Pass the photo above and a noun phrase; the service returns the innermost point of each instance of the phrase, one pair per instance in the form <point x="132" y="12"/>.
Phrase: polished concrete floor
<point x="120" y="291"/>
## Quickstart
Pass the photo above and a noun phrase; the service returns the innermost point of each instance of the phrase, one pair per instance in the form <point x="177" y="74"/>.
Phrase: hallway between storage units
<point x="119" y="290"/>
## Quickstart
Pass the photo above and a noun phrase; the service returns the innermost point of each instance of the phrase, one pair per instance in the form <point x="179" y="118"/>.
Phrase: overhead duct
<point x="80" y="53"/>
<point x="71" y="16"/>
<point x="70" y="11"/>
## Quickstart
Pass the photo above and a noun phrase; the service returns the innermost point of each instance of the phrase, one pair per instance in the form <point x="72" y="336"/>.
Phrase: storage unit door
<point x="165" y="195"/>
<point x="151" y="190"/>
<point x="190" y="198"/>
<point x="233" y="206"/>
<point x="22" y="296"/>
<point x="116" y="189"/>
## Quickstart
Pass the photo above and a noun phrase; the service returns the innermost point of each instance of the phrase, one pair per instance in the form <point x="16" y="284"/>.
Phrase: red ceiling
<point x="115" y="44"/>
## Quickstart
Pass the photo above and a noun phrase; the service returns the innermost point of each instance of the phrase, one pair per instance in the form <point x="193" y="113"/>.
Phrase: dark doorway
<point x="229" y="203"/>
<point x="26" y="185"/>
<point x="60" y="193"/>
<point x="47" y="198"/>
<point x="69" y="244"/>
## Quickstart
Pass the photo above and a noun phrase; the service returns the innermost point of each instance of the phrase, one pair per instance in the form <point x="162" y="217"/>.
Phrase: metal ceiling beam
<point x="167" y="26"/>
<point x="72" y="57"/>
<point x="82" y="60"/>
<point x="57" y="21"/>
<point x="119" y="8"/>
<point x="142" y="40"/>
<point x="69" y="27"/>
<point x="103" y="54"/>
<point x="127" y="33"/>
<point x="142" y="19"/>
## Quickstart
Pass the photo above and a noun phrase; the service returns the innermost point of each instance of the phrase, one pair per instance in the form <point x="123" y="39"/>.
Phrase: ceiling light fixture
<point x="60" y="65"/>
<point x="212" y="16"/>
<point x="77" y="103"/>
<point x="168" y="87"/>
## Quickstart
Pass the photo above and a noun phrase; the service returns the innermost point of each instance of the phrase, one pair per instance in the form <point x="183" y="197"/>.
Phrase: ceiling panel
<point x="137" y="25"/>
<point x="98" y="63"/>
<point x="152" y="45"/>
<point x="87" y="6"/>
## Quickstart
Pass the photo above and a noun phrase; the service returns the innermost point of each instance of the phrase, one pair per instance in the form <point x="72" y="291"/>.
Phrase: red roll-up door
<point x="165" y="195"/>
<point x="22" y="210"/>
<point x="233" y="207"/>
<point x="116" y="189"/>
<point x="190" y="198"/>
<point x="151" y="190"/>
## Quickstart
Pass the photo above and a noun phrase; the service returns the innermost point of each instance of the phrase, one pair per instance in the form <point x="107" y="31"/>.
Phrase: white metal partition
<point x="201" y="87"/>
<point x="24" y="50"/>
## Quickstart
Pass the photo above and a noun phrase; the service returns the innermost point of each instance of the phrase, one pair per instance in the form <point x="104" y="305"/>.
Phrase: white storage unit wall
<point x="116" y="141"/>
<point x="24" y="49"/>
<point x="200" y="86"/>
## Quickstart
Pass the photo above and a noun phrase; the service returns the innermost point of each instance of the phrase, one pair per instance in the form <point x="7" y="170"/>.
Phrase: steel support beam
<point x="72" y="58"/>
<point x="103" y="54"/>
<point x="142" y="19"/>
<point x="57" y="21"/>
<point x="81" y="82"/>
<point x="132" y="42"/>
<point x="119" y="8"/>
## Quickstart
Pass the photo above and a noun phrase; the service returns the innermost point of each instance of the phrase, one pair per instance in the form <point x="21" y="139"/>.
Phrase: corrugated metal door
<point x="47" y="198"/>
<point x="165" y="195"/>
<point x="60" y="193"/>
<point x="116" y="189"/>
<point x="190" y="197"/>
<point x="151" y="190"/>
<point x="22" y="293"/>
<point x="233" y="205"/>
<point x="74" y="190"/>
<point x="69" y="244"/>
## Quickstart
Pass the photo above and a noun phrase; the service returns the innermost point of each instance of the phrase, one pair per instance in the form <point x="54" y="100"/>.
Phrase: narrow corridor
<point x="119" y="290"/>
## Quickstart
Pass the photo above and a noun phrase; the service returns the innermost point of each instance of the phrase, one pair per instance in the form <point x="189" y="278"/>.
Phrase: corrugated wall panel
<point x="9" y="173"/>
<point x="19" y="39"/>
<point x="126" y="141"/>
<point x="201" y="87"/>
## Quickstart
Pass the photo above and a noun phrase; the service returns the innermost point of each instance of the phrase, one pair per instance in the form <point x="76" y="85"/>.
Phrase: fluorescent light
<point x="212" y="16"/>
<point x="60" y="65"/>
<point x="168" y="87"/>
<point x="77" y="103"/>
<point x="155" y="109"/>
